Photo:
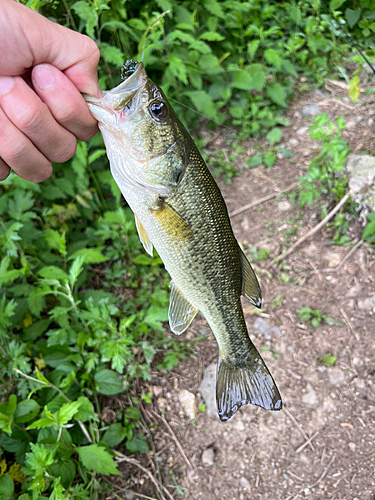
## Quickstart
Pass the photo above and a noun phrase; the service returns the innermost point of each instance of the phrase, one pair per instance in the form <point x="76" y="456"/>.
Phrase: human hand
<point x="41" y="121"/>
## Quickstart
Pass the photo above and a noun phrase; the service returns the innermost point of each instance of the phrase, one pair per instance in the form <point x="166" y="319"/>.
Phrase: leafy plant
<point x="327" y="360"/>
<point x="323" y="174"/>
<point x="315" y="317"/>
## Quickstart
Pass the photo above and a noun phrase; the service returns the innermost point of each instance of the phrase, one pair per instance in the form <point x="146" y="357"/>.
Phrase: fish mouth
<point x="118" y="97"/>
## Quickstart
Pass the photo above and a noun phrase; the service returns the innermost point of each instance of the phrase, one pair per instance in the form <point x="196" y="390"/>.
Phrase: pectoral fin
<point x="181" y="313"/>
<point x="172" y="223"/>
<point x="143" y="236"/>
<point x="250" y="286"/>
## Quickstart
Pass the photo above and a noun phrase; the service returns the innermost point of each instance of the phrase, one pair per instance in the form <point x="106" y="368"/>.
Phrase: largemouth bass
<point x="179" y="210"/>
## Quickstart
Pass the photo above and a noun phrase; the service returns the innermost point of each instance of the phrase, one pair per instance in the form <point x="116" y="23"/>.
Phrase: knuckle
<point x="31" y="120"/>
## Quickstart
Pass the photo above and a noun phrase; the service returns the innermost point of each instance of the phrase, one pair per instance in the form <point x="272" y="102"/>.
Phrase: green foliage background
<point x="81" y="304"/>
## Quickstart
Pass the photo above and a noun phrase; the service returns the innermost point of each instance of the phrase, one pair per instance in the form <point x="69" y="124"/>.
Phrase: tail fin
<point x="251" y="383"/>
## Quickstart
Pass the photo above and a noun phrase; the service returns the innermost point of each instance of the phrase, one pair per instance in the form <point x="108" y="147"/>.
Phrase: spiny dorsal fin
<point x="181" y="313"/>
<point x="172" y="223"/>
<point x="250" y="285"/>
<point x="250" y="383"/>
<point x="143" y="236"/>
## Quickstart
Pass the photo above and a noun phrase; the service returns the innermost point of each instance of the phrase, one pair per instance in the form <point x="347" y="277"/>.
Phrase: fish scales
<point x="180" y="211"/>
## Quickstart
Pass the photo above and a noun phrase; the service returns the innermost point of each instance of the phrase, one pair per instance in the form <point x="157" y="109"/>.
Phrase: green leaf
<point x="66" y="470"/>
<point x="67" y="412"/>
<point x="252" y="47"/>
<point x="97" y="459"/>
<point x="36" y="301"/>
<point x="211" y="36"/>
<point x="274" y="136"/>
<point x="56" y="240"/>
<point x="85" y="411"/>
<point x="273" y="57"/>
<point x="203" y="102"/>
<point x="335" y="4"/>
<point x="87" y="13"/>
<point x="114" y="435"/>
<point x="242" y="80"/>
<point x="108" y="382"/>
<point x="155" y="316"/>
<point x="40" y="423"/>
<point x="52" y="272"/>
<point x="143" y="259"/>
<point x="354" y="88"/>
<point x="295" y="14"/>
<point x="138" y="443"/>
<point x="369" y="232"/>
<point x="6" y="488"/>
<point x="75" y="269"/>
<point x="26" y="411"/>
<point x="90" y="256"/>
<point x="256" y="160"/>
<point x="352" y="16"/>
<point x="113" y="54"/>
<point x="276" y="93"/>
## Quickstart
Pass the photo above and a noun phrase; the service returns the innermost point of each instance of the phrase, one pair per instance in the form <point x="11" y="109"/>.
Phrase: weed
<point x="315" y="317"/>
<point x="327" y="360"/>
<point x="324" y="174"/>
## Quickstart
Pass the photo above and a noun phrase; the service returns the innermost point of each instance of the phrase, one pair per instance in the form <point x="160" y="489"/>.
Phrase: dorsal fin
<point x="181" y="313"/>
<point x="143" y="236"/>
<point x="250" y="285"/>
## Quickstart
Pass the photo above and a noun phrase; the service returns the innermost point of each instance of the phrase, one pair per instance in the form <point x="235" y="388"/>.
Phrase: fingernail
<point x="6" y="84"/>
<point x="43" y="77"/>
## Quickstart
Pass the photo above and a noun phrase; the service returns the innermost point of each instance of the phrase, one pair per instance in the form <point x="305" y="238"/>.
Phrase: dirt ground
<point x="322" y="444"/>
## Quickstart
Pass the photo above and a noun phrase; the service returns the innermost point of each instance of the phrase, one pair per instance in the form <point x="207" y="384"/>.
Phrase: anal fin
<point x="143" y="236"/>
<point x="250" y="383"/>
<point x="250" y="285"/>
<point x="181" y="313"/>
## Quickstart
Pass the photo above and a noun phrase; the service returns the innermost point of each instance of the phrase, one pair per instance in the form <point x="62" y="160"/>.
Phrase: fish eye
<point x="158" y="110"/>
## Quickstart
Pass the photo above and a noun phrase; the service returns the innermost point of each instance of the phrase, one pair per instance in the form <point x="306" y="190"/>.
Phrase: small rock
<point x="302" y="130"/>
<point x="208" y="389"/>
<point x="204" y="331"/>
<point x="310" y="397"/>
<point x="245" y="483"/>
<point x="336" y="376"/>
<point x="157" y="390"/>
<point x="208" y="457"/>
<point x="361" y="170"/>
<point x="357" y="361"/>
<point x="245" y="224"/>
<point x="283" y="206"/>
<point x="262" y="327"/>
<point x="352" y="446"/>
<point x="311" y="250"/>
<point x="354" y="291"/>
<point x="311" y="110"/>
<point x="360" y="383"/>
<point x="353" y="123"/>
<point x="333" y="259"/>
<point x="239" y="425"/>
<point x="367" y="304"/>
<point x="293" y="142"/>
<point x="187" y="401"/>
